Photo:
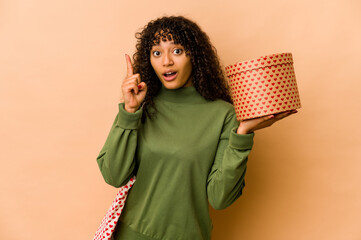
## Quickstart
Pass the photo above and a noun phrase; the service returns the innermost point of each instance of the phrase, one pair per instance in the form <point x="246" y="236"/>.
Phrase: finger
<point x="292" y="112"/>
<point x="267" y="117"/>
<point x="282" y="114"/>
<point x="131" y="87"/>
<point x="134" y="78"/>
<point x="270" y="116"/>
<point x="142" y="86"/>
<point x="137" y="78"/>
<point x="129" y="65"/>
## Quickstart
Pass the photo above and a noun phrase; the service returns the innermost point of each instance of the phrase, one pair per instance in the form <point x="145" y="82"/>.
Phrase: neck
<point x="181" y="95"/>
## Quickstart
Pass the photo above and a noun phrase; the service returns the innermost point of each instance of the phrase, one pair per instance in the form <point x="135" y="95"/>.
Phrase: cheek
<point x="151" y="62"/>
<point x="154" y="65"/>
<point x="189" y="68"/>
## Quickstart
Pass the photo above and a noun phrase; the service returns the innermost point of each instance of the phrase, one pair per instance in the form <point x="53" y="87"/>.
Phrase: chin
<point x="175" y="85"/>
<point x="171" y="85"/>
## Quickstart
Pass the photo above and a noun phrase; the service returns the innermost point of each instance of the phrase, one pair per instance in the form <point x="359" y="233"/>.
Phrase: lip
<point x="170" y="78"/>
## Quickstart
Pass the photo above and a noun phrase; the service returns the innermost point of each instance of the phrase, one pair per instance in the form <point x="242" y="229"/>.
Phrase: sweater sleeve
<point x="226" y="178"/>
<point x="116" y="158"/>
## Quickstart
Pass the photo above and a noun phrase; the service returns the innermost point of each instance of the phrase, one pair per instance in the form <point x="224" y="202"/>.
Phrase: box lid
<point x="259" y="63"/>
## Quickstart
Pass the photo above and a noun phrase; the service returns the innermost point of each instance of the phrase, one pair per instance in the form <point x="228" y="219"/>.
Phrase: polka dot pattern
<point x="107" y="226"/>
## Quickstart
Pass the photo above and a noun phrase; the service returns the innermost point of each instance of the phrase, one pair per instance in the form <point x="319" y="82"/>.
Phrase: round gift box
<point x="263" y="86"/>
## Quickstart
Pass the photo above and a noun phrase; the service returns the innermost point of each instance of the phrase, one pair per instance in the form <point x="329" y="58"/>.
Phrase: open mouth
<point x="169" y="76"/>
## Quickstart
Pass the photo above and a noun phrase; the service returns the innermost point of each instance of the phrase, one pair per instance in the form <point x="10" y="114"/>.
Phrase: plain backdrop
<point x="61" y="68"/>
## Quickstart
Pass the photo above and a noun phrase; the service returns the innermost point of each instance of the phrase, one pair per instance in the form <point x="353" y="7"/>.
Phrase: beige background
<point x="61" y="67"/>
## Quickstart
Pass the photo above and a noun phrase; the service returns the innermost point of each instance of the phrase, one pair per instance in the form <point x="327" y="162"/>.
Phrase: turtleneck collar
<point x="181" y="95"/>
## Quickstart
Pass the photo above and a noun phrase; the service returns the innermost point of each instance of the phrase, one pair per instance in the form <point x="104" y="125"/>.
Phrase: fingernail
<point x="139" y="86"/>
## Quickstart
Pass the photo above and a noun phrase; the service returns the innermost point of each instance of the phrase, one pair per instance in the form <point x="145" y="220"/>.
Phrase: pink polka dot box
<point x="263" y="86"/>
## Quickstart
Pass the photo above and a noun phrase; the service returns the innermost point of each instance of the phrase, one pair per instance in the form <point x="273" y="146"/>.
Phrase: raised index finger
<point x="129" y="65"/>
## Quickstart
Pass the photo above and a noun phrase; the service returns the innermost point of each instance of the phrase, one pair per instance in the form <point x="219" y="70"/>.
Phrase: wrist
<point x="242" y="130"/>
<point x="130" y="110"/>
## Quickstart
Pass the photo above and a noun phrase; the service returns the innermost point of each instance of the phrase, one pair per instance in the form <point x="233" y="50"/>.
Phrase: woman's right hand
<point x="133" y="89"/>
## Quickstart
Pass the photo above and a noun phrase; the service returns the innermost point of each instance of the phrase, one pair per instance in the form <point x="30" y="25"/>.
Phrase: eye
<point x="156" y="53"/>
<point x="178" y="51"/>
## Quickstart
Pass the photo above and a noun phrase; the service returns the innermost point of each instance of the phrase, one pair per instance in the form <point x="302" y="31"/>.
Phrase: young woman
<point x="176" y="130"/>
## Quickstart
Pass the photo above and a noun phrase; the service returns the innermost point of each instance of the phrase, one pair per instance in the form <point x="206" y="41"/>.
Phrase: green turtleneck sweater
<point x="187" y="156"/>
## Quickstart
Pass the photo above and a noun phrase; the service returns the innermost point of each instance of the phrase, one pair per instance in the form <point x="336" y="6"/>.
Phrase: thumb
<point x="142" y="91"/>
<point x="142" y="86"/>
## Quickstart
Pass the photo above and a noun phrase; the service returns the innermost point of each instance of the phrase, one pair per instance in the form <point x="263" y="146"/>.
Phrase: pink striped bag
<point x="107" y="226"/>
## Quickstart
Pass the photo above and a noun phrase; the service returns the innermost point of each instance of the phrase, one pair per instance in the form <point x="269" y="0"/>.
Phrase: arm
<point x="116" y="158"/>
<point x="226" y="179"/>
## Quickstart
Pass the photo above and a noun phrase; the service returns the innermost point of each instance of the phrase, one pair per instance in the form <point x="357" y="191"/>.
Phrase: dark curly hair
<point x="207" y="75"/>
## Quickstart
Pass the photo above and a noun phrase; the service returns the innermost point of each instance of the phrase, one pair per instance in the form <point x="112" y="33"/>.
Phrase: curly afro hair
<point x="207" y="75"/>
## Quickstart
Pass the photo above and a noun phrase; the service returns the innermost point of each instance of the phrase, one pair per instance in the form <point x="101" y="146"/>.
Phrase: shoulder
<point x="227" y="115"/>
<point x="222" y="112"/>
<point x="224" y="107"/>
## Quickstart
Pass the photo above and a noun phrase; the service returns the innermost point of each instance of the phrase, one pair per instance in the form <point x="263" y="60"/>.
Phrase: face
<point x="171" y="64"/>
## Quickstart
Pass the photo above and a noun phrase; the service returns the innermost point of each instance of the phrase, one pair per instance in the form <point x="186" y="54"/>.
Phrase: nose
<point x="167" y="60"/>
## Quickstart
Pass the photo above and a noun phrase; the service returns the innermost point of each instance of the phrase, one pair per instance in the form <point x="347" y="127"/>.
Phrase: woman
<point x="176" y="130"/>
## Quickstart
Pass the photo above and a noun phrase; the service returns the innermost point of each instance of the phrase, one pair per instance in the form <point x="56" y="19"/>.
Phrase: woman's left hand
<point x="251" y="125"/>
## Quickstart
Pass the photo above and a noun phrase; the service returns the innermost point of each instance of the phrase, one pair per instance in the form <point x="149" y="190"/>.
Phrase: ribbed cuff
<point x="128" y="120"/>
<point x="241" y="141"/>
